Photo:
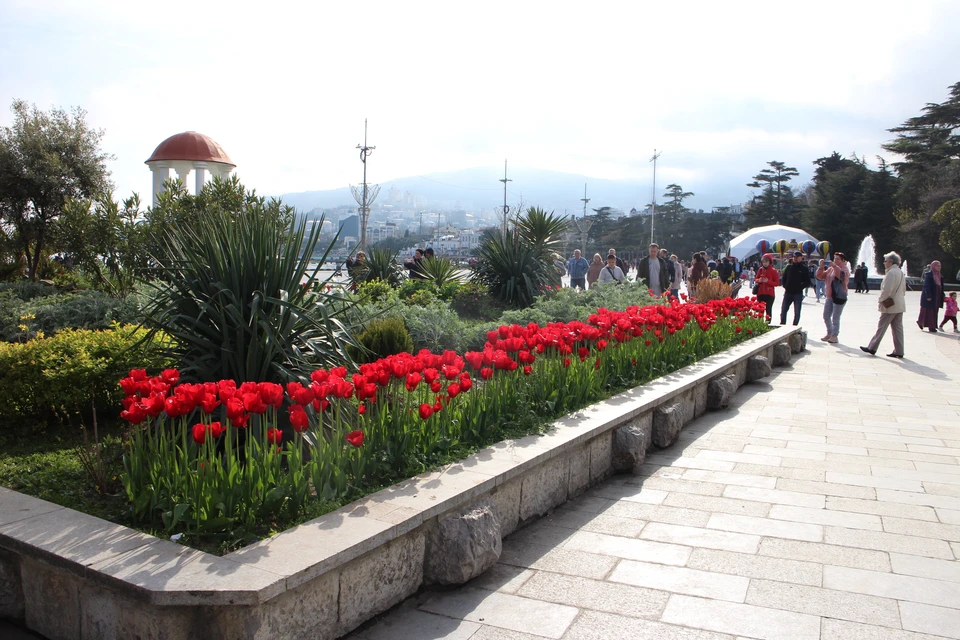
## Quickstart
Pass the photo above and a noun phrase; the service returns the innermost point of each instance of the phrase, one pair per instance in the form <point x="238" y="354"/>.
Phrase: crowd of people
<point x="828" y="279"/>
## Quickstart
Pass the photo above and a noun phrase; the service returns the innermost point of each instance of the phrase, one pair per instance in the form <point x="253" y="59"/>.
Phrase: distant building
<point x="349" y="227"/>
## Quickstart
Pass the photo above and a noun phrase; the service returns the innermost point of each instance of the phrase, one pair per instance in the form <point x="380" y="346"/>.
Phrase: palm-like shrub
<point x="516" y="266"/>
<point x="380" y="264"/>
<point x="229" y="294"/>
<point x="439" y="272"/>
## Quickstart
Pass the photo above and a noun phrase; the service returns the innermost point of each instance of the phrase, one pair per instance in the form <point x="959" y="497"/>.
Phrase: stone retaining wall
<point x="69" y="575"/>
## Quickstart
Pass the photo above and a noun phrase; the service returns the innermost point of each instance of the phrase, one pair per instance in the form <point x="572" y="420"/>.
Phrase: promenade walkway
<point x="824" y="503"/>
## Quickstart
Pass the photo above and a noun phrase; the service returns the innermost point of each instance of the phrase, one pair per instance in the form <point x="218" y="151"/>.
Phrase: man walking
<point x="577" y="268"/>
<point x="653" y="270"/>
<point x="796" y="278"/>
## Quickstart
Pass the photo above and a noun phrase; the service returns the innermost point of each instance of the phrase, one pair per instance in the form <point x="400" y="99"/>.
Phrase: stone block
<point x="758" y="367"/>
<point x="308" y="611"/>
<point x="601" y="449"/>
<point x="543" y="488"/>
<point x="798" y="341"/>
<point x="667" y="422"/>
<point x="11" y="590"/>
<point x="51" y="598"/>
<point x="505" y="500"/>
<point x="579" y="465"/>
<point x="740" y="372"/>
<point x="720" y="390"/>
<point x="700" y="400"/>
<point x="375" y="582"/>
<point x="781" y="354"/>
<point x="462" y="545"/>
<point x="688" y="406"/>
<point x="109" y="615"/>
<point x="630" y="444"/>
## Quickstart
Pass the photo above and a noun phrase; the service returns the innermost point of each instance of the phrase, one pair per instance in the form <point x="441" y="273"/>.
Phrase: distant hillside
<point x="477" y="189"/>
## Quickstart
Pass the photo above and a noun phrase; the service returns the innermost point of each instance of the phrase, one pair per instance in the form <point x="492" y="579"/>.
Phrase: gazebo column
<point x="201" y="175"/>
<point x="161" y="173"/>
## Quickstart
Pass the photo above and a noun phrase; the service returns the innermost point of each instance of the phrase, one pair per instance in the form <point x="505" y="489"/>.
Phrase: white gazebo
<point x="745" y="245"/>
<point x="185" y="153"/>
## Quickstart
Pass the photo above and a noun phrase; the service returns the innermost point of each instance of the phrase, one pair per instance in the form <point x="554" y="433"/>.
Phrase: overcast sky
<point x="585" y="87"/>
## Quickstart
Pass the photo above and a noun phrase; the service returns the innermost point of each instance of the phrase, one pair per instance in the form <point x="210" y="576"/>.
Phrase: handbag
<point x="889" y="302"/>
<point x="756" y="289"/>
<point x="838" y="293"/>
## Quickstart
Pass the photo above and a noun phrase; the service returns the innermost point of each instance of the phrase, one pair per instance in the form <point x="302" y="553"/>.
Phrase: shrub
<point x="380" y="264"/>
<point x="473" y="301"/>
<point x="50" y="313"/>
<point x="383" y="338"/>
<point x="60" y="376"/>
<point x="411" y="286"/>
<point x="436" y="327"/>
<point x="374" y="291"/>
<point x="231" y="295"/>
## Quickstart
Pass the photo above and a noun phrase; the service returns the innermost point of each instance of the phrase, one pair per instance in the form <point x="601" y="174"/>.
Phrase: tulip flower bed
<point x="217" y="458"/>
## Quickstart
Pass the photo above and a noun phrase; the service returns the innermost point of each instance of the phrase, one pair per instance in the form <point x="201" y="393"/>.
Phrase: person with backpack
<point x="611" y="272"/>
<point x="836" y="279"/>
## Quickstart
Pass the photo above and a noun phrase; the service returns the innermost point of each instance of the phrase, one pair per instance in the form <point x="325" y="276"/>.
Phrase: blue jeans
<point x="795" y="299"/>
<point x="578" y="282"/>
<point x="831" y="316"/>
<point x="675" y="293"/>
<point x="820" y="289"/>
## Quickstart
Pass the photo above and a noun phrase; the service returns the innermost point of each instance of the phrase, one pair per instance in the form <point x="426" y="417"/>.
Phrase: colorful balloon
<point x="763" y="247"/>
<point x="780" y="246"/>
<point x="808" y="247"/>
<point x="824" y="249"/>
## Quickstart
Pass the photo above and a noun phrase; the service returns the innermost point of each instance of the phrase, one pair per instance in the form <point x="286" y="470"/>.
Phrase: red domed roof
<point x="190" y="145"/>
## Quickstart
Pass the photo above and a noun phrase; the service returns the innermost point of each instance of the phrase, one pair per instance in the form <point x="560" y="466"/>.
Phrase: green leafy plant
<point x="517" y="265"/>
<point x="380" y="264"/>
<point x="383" y="338"/>
<point x="473" y="301"/>
<point x="230" y="293"/>
<point x="439" y="272"/>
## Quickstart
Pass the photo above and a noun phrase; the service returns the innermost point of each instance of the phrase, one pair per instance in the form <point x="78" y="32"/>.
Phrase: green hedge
<point x="56" y="377"/>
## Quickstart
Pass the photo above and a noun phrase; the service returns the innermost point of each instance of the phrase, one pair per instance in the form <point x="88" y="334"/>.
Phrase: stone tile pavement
<point x="824" y="503"/>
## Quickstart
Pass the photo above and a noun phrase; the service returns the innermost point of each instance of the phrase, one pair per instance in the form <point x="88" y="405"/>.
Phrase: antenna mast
<point x="506" y="208"/>
<point x="653" y="213"/>
<point x="365" y="194"/>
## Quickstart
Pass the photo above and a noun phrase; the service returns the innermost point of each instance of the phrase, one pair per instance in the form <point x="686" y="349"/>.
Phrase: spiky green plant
<point x="516" y="266"/>
<point x="439" y="272"/>
<point x="231" y="295"/>
<point x="380" y="264"/>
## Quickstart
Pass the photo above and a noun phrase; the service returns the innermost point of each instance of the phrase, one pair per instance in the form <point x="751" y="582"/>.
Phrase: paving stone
<point x="742" y="480"/>
<point x="929" y="619"/>
<point x="595" y="595"/>
<point x="502" y="577"/>
<point x="824" y="602"/>
<point x="880" y="508"/>
<point x="681" y="580"/>
<point x="946" y="516"/>
<point x="784" y="452"/>
<point x="659" y="513"/>
<point x="942" y="489"/>
<point x="718" y="505"/>
<point x="824" y="516"/>
<point x="783" y="471"/>
<point x="776" y="496"/>
<point x="733" y="457"/>
<point x="596" y="522"/>
<point x="496" y="633"/>
<point x="677" y="485"/>
<point x="925" y="529"/>
<point x="892" y="585"/>
<point x="921" y="567"/>
<point x="629" y="494"/>
<point x="788" y="436"/>
<point x="845" y="630"/>
<point x="927" y="499"/>
<point x="503" y="610"/>
<point x="756" y="566"/>
<point x="827" y="489"/>
<point x="883" y="541"/>
<point x="631" y="549"/>
<point x="825" y="554"/>
<point x="699" y="537"/>
<point x="593" y="625"/>
<point x="873" y="481"/>
<point x="569" y="561"/>
<point x="408" y="623"/>
<point x="742" y="619"/>
<point x="699" y="461"/>
<point x="766" y="527"/>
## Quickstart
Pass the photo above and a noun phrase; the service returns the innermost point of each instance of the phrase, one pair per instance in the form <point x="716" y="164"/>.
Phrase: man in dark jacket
<point x="654" y="271"/>
<point x="796" y="278"/>
<point x="725" y="269"/>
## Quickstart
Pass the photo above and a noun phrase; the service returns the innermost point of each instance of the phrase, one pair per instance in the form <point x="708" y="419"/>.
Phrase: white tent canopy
<point x="745" y="245"/>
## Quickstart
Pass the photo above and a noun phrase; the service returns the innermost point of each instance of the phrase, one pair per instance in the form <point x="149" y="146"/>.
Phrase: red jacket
<point x="768" y="288"/>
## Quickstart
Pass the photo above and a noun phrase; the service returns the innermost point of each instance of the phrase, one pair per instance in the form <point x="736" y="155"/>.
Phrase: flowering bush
<point x="216" y="456"/>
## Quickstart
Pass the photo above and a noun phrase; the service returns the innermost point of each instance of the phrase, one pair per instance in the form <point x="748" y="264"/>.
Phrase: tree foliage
<point x="46" y="160"/>
<point x="776" y="203"/>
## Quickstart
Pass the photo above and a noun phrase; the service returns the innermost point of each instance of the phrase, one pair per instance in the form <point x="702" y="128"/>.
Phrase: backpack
<point x="838" y="291"/>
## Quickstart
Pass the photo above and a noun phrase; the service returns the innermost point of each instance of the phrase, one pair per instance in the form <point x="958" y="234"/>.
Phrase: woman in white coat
<point x="892" y="303"/>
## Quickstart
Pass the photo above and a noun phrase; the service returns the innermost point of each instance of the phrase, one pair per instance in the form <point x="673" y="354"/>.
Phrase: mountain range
<point x="478" y="189"/>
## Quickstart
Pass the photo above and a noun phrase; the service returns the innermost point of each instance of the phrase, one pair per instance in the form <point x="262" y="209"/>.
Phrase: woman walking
<point x="767" y="279"/>
<point x="594" y="271"/>
<point x="697" y="273"/>
<point x="837" y="281"/>
<point x="931" y="298"/>
<point x="892" y="304"/>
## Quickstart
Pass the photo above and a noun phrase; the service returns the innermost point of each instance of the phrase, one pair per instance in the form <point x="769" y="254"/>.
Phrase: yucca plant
<point x="439" y="272"/>
<point x="232" y="295"/>
<point x="380" y="264"/>
<point x="516" y="266"/>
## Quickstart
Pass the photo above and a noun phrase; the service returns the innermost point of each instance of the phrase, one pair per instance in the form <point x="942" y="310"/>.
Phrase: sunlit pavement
<point x="824" y="503"/>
